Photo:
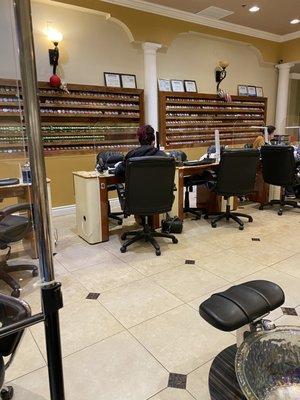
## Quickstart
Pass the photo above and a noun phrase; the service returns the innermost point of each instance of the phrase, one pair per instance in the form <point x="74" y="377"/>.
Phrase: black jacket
<point x="143" y="151"/>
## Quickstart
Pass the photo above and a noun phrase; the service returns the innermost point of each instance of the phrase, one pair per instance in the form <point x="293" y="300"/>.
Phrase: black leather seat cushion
<point x="241" y="304"/>
<point x="12" y="227"/>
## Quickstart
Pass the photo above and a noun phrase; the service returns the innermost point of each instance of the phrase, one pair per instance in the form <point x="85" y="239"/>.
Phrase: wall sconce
<point x="221" y="73"/>
<point x="54" y="36"/>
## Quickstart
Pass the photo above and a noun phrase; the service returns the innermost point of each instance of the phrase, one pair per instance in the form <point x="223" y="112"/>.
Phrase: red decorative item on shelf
<point x="55" y="81"/>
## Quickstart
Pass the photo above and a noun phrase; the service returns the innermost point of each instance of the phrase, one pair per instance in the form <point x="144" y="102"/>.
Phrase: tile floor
<point x="145" y="323"/>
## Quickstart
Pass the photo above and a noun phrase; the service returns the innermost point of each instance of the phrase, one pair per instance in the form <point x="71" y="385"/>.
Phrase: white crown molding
<point x="290" y="36"/>
<point x="106" y="15"/>
<point x="200" y="20"/>
<point x="181" y="15"/>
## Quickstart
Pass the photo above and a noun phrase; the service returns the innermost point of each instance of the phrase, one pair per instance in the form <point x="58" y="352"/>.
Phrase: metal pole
<point x="33" y="130"/>
<point x="51" y="292"/>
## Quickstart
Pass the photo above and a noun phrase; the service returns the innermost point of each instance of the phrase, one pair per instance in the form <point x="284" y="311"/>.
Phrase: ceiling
<point x="274" y="15"/>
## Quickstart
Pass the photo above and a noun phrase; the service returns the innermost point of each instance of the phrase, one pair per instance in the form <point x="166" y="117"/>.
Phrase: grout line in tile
<point x="148" y="351"/>
<point x="157" y="315"/>
<point x="40" y="351"/>
<point x="28" y="373"/>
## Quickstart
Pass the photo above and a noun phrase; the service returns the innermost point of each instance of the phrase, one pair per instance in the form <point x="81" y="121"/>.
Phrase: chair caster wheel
<point x="175" y="240"/>
<point x="279" y="212"/>
<point x="35" y="272"/>
<point x="7" y="394"/>
<point x="214" y="225"/>
<point x="158" y="252"/>
<point x="261" y="207"/>
<point x="123" y="236"/>
<point x="120" y="222"/>
<point x="250" y="219"/>
<point x="241" y="228"/>
<point x="205" y="216"/>
<point x="15" y="293"/>
<point x="123" y="249"/>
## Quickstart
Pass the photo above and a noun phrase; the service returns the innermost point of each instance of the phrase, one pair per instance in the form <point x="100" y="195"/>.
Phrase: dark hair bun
<point x="146" y="135"/>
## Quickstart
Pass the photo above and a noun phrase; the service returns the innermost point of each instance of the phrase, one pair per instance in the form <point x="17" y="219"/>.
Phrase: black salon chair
<point x="235" y="177"/>
<point x="11" y="311"/>
<point x="279" y="169"/>
<point x="105" y="160"/>
<point x="12" y="229"/>
<point x="149" y="183"/>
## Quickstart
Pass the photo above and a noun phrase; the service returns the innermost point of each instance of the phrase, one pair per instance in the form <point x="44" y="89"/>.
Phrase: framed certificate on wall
<point x="190" y="86"/>
<point x="164" y="85"/>
<point x="252" y="91"/>
<point x="128" y="81"/>
<point x="177" y="86"/>
<point x="259" y="91"/>
<point x="242" y="90"/>
<point x="112" y="79"/>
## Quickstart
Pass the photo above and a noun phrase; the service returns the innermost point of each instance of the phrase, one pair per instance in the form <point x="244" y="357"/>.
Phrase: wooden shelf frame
<point x="109" y="118"/>
<point x="185" y="122"/>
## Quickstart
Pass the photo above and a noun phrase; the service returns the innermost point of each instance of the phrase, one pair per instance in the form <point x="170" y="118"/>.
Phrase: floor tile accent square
<point x="92" y="296"/>
<point x="190" y="262"/>
<point x="289" y="311"/>
<point x="177" y="381"/>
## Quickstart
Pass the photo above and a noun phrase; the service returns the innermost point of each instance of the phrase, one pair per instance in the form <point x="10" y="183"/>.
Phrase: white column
<point x="150" y="76"/>
<point x="282" y="96"/>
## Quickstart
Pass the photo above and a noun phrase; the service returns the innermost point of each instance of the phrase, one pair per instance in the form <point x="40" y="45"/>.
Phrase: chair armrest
<point x="14" y="208"/>
<point x="210" y="173"/>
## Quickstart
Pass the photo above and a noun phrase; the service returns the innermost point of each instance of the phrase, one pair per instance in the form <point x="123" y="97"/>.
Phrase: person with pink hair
<point x="146" y="137"/>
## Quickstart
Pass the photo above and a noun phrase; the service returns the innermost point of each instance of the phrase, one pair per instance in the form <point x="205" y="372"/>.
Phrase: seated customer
<point x="146" y="138"/>
<point x="260" y="140"/>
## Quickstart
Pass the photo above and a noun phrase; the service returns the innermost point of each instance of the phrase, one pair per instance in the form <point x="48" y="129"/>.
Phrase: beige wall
<point x="93" y="44"/>
<point x="294" y="102"/>
<point x="192" y="56"/>
<point x="293" y="117"/>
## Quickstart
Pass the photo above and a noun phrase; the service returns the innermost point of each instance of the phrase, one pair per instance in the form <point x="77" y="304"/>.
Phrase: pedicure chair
<point x="264" y="364"/>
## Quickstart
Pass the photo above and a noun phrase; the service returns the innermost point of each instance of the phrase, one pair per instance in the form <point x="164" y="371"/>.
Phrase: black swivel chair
<point x="279" y="169"/>
<point x="12" y="229"/>
<point x="11" y="311"/>
<point x="105" y="160"/>
<point x="149" y="183"/>
<point x="235" y="177"/>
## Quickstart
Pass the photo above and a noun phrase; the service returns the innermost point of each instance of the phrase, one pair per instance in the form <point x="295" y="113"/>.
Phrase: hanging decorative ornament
<point x="55" y="81"/>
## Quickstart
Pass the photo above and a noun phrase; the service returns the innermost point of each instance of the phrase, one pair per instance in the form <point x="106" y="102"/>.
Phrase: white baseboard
<point x="63" y="210"/>
<point x="71" y="208"/>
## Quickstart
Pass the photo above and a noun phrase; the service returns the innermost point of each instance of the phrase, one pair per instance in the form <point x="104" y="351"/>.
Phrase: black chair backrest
<point x="279" y="167"/>
<point x="149" y="183"/>
<point x="15" y="227"/>
<point x="11" y="310"/>
<point x="108" y="158"/>
<point x="237" y="171"/>
<point x="179" y="155"/>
